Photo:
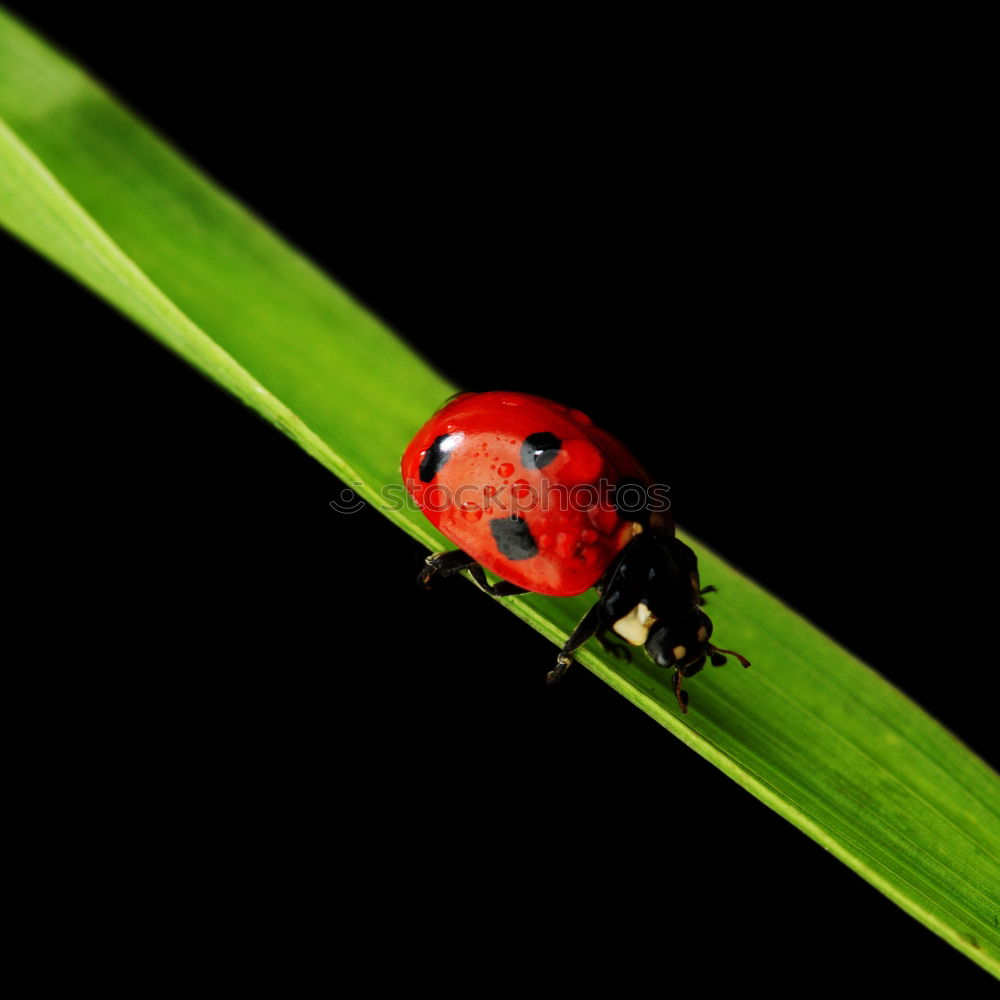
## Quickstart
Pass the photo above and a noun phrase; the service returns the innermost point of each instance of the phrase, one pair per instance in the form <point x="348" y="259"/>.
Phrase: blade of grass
<point x="816" y="735"/>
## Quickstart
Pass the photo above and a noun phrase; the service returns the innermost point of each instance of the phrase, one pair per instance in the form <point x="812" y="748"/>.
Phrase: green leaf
<point x="810" y="731"/>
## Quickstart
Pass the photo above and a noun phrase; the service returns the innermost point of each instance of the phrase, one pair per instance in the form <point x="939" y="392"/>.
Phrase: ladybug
<point x="534" y="492"/>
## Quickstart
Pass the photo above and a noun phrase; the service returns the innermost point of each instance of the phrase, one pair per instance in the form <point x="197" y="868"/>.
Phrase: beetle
<point x="536" y="493"/>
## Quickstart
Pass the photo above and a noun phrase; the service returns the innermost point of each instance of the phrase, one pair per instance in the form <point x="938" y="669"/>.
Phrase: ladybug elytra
<point x="537" y="494"/>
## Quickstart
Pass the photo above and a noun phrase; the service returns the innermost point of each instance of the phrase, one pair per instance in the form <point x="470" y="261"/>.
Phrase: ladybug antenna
<point x="715" y="651"/>
<point x="682" y="696"/>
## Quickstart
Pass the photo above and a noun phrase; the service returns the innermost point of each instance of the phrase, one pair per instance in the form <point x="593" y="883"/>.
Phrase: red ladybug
<point x="536" y="493"/>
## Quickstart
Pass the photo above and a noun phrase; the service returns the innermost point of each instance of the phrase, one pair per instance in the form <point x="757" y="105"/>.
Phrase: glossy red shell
<point x="471" y="454"/>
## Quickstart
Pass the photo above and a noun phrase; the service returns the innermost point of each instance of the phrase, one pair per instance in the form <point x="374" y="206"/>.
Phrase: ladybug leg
<point x="710" y="589"/>
<point x="588" y="626"/>
<point x="445" y="564"/>
<point x="616" y="649"/>
<point x="502" y="588"/>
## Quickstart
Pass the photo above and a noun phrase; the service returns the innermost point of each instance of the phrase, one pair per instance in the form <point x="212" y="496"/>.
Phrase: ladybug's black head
<point x="681" y="644"/>
<point x="684" y="646"/>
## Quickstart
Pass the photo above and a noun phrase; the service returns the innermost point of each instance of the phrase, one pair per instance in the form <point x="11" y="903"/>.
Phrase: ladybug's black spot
<point x="513" y="537"/>
<point x="437" y="454"/>
<point x="539" y="449"/>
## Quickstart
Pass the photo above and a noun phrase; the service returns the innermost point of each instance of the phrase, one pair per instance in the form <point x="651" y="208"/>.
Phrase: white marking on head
<point x="634" y="627"/>
<point x="680" y="652"/>
<point x="703" y="634"/>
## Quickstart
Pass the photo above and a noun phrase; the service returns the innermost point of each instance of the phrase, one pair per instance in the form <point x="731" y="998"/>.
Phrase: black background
<point x="767" y="281"/>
